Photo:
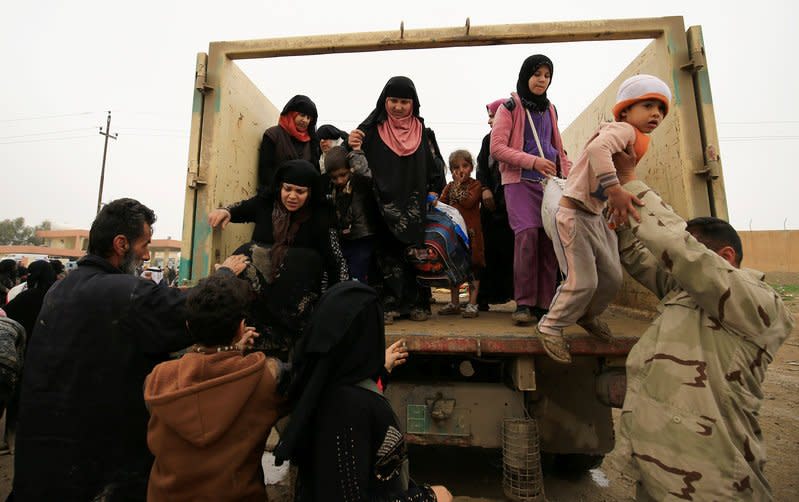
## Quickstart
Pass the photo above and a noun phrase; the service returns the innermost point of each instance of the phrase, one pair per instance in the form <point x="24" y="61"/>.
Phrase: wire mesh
<point x="522" y="479"/>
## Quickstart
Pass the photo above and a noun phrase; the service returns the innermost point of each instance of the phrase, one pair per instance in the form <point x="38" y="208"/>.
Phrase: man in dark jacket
<point x="82" y="420"/>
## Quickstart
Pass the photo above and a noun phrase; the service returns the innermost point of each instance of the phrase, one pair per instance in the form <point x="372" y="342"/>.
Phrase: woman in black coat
<point x="343" y="433"/>
<point x="294" y="137"/>
<point x="294" y="245"/>
<point x="395" y="144"/>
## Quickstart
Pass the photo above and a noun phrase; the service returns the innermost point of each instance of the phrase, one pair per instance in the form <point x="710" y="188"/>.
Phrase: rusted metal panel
<point x="235" y="115"/>
<point x="192" y="171"/>
<point x="474" y="417"/>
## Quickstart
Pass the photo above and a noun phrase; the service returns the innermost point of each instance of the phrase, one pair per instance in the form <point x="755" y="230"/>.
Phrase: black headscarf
<point x="41" y="275"/>
<point x="285" y="224"/>
<point x="396" y="87"/>
<point x="532" y="101"/>
<point x="8" y="271"/>
<point x="297" y="172"/>
<point x="401" y="183"/>
<point x="343" y="344"/>
<point x="329" y="131"/>
<point x="303" y="104"/>
<point x="25" y="307"/>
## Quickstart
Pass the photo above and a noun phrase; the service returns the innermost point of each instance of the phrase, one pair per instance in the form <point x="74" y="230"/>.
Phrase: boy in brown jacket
<point x="212" y="409"/>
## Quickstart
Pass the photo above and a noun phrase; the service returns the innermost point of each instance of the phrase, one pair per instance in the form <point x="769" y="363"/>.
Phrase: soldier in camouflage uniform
<point x="689" y="424"/>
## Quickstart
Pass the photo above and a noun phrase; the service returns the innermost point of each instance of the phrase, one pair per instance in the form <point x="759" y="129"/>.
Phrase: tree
<point x="16" y="233"/>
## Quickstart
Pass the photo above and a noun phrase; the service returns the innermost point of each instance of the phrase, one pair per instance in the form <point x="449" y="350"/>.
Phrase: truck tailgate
<point x="494" y="333"/>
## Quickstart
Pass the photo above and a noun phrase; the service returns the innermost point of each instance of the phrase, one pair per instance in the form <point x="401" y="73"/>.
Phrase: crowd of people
<point x="124" y="388"/>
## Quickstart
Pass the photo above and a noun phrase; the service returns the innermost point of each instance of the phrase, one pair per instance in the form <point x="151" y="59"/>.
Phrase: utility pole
<point x="107" y="135"/>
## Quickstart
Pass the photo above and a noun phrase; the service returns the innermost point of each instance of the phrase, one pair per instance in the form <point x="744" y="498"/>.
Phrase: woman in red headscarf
<point x="293" y="138"/>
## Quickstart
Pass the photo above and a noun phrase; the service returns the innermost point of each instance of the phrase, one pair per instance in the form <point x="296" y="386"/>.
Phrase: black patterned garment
<point x="343" y="434"/>
<point x="358" y="453"/>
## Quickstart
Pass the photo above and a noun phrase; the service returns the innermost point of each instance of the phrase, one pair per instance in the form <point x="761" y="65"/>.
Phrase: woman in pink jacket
<point x="523" y="167"/>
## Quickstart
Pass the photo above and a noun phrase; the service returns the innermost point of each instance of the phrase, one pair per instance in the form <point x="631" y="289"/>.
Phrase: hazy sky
<point x="66" y="63"/>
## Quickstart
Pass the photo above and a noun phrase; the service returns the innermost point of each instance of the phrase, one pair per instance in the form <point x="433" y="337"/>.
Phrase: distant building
<point x="72" y="244"/>
<point x="165" y="253"/>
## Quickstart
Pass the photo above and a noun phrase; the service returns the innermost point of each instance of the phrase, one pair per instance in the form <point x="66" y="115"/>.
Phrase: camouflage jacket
<point x="689" y="424"/>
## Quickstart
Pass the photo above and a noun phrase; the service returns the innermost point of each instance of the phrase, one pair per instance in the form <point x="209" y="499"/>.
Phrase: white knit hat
<point x="640" y="88"/>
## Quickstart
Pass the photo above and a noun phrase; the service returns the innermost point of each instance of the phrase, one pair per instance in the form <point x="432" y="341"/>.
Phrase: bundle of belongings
<point x="445" y="259"/>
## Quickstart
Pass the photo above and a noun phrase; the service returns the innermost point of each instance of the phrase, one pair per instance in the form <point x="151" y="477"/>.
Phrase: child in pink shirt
<point x="586" y="245"/>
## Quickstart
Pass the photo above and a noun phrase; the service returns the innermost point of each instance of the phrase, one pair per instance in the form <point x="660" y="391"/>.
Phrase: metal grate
<point x="522" y="479"/>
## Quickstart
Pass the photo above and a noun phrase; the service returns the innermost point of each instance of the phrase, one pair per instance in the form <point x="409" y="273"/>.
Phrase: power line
<point x="761" y="122"/>
<point x="759" y="138"/>
<point x="45" y="140"/>
<point x="151" y="129"/>
<point x="46" y="133"/>
<point x="43" y="117"/>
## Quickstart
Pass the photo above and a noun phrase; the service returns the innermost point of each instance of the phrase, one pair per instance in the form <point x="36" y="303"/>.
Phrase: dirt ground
<point x="475" y="475"/>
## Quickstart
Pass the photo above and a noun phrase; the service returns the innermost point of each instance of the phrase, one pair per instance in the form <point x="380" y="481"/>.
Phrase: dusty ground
<point x="476" y="475"/>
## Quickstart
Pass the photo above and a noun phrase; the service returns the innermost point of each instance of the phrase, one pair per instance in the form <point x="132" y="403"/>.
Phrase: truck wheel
<point x="570" y="464"/>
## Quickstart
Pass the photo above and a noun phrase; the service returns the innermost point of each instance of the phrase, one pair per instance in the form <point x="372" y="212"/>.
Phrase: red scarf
<point x="287" y="123"/>
<point x="403" y="136"/>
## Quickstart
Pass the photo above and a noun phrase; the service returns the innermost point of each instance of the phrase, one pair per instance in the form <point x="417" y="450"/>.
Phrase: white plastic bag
<point x="457" y="219"/>
<point x="553" y="191"/>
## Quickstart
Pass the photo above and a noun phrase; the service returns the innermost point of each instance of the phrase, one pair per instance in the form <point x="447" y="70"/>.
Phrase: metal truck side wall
<point x="675" y="151"/>
<point x="235" y="116"/>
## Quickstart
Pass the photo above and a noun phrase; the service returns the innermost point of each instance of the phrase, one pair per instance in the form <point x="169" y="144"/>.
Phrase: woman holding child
<point x="294" y="242"/>
<point x="393" y="140"/>
<point x="524" y="122"/>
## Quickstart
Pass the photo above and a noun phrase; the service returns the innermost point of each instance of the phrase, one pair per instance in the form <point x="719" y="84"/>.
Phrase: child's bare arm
<point x="621" y="205"/>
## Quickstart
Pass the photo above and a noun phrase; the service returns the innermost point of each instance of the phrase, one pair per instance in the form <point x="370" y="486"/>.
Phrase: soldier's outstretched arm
<point x="731" y="297"/>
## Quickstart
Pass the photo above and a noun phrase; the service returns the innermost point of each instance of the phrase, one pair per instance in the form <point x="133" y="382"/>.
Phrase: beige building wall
<point x="771" y="250"/>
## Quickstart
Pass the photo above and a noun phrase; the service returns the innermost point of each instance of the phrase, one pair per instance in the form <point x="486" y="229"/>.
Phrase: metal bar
<point x="708" y="133"/>
<point x="494" y="345"/>
<point x="438" y="439"/>
<point x="561" y="31"/>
